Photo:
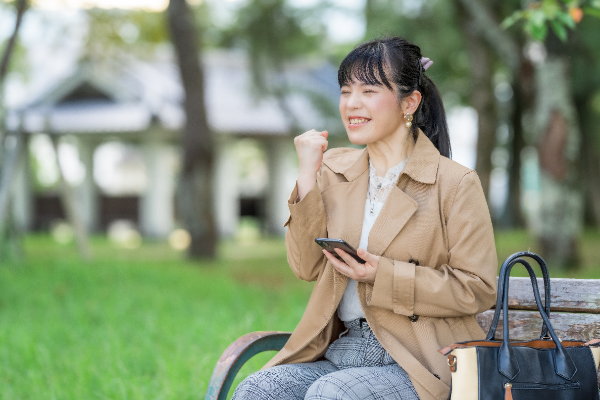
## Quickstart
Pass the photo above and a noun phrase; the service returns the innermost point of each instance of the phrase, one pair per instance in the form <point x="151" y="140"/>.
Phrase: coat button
<point x="413" y="318"/>
<point x="414" y="261"/>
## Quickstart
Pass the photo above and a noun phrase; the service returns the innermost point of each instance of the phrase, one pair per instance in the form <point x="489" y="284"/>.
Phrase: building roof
<point x="132" y="98"/>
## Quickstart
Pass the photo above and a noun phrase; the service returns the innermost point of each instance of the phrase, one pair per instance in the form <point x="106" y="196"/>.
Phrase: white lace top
<point x="379" y="188"/>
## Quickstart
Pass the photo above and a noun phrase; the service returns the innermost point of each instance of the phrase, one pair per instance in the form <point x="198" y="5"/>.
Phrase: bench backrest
<point x="575" y="309"/>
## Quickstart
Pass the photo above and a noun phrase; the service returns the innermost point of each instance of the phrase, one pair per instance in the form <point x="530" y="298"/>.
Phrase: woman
<point x="418" y="219"/>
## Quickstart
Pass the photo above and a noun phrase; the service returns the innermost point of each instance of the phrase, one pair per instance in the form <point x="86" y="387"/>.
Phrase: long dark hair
<point x="376" y="62"/>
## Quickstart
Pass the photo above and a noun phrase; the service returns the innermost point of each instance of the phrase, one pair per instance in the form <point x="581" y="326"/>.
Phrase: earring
<point x="408" y="118"/>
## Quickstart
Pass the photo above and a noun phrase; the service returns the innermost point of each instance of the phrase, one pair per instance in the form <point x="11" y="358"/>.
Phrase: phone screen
<point x="330" y="244"/>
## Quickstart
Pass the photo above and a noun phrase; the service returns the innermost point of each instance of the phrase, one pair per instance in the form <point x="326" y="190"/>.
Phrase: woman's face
<point x="370" y="112"/>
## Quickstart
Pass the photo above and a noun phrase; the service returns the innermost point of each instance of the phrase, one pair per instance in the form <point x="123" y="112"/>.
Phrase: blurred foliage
<point x="431" y="24"/>
<point x="272" y="33"/>
<point x="558" y="15"/>
<point x="114" y="33"/>
<point x="275" y="31"/>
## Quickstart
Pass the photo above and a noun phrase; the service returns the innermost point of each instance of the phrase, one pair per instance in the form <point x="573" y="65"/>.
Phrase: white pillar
<point x="283" y="170"/>
<point x="87" y="191"/>
<point x="22" y="197"/>
<point x="157" y="203"/>
<point x="225" y="183"/>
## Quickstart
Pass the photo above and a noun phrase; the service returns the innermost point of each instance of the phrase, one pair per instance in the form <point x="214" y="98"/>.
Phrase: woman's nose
<point x="353" y="101"/>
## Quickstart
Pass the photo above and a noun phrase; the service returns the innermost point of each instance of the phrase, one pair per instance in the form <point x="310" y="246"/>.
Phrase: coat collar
<point x="422" y="165"/>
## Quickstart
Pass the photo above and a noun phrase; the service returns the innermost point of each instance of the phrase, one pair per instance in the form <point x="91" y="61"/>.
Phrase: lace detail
<point x="381" y="186"/>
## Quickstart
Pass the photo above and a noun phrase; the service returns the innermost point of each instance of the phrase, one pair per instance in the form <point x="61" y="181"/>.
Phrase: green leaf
<point x="594" y="12"/>
<point x="538" y="32"/>
<point x="511" y="20"/>
<point x="566" y="19"/>
<point x="550" y="9"/>
<point x="537" y="17"/>
<point x="559" y="30"/>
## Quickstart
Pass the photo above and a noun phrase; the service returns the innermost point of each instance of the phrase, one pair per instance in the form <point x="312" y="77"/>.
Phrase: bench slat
<point x="568" y="295"/>
<point x="527" y="325"/>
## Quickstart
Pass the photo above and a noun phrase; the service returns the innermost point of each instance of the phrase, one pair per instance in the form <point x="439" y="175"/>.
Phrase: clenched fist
<point x="310" y="147"/>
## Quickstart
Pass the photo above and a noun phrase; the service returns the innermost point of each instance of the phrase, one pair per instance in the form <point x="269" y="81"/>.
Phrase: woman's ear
<point x="411" y="102"/>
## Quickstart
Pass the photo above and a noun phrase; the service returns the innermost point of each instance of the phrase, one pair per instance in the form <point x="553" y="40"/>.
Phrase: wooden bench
<point x="575" y="314"/>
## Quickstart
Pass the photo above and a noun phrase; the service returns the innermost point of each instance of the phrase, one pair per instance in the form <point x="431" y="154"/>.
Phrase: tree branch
<point x="499" y="40"/>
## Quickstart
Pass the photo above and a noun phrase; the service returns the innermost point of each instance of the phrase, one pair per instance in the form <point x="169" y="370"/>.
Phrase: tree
<point x="116" y="34"/>
<point x="557" y="127"/>
<point x="8" y="161"/>
<point x="271" y="33"/>
<point x="482" y="62"/>
<point x="585" y="58"/>
<point x="194" y="191"/>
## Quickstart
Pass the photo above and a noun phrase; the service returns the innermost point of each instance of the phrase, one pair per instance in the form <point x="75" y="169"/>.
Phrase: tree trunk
<point x="590" y="157"/>
<point x="482" y="96"/>
<point x="8" y="234"/>
<point x="522" y="100"/>
<point x="561" y="209"/>
<point x="72" y="210"/>
<point x="5" y="61"/>
<point x="7" y="172"/>
<point x="194" y="191"/>
<point x="591" y="174"/>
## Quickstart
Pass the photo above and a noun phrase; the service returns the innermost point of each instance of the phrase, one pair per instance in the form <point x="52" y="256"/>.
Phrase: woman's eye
<point x="369" y="91"/>
<point x="345" y="92"/>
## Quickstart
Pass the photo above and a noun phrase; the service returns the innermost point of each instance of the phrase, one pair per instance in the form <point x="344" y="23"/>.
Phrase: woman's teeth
<point x="358" y="120"/>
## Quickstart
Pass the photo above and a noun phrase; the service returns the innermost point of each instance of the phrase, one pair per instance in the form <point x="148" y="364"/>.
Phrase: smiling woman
<point x="420" y="221"/>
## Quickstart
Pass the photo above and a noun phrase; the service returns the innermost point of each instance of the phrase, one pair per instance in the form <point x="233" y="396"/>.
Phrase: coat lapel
<point x="345" y="205"/>
<point x="422" y="166"/>
<point x="396" y="212"/>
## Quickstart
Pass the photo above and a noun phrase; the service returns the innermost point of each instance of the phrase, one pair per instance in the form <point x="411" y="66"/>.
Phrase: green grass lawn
<point x="148" y="324"/>
<point x="135" y="324"/>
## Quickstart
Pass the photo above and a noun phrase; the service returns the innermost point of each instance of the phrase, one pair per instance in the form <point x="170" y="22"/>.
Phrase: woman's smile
<point x="356" y="121"/>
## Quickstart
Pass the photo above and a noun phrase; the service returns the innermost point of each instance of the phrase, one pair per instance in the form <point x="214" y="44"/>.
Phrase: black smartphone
<point x="331" y="244"/>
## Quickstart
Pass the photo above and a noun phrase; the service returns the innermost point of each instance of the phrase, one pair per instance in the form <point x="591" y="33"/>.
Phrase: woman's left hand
<point x="353" y="269"/>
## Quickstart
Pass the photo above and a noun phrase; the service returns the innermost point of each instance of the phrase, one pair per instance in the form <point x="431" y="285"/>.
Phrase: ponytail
<point x="431" y="117"/>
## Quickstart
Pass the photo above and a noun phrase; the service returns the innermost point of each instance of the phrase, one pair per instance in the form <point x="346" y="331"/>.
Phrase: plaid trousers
<point x="356" y="367"/>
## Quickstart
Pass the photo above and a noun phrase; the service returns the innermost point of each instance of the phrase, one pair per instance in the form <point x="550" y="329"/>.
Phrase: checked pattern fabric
<point x="356" y="367"/>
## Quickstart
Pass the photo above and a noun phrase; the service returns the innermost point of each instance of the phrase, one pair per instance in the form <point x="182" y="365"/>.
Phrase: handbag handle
<point x="502" y="287"/>
<point x="507" y="362"/>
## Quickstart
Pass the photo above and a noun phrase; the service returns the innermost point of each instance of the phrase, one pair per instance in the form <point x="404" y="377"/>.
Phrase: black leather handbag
<point x="545" y="368"/>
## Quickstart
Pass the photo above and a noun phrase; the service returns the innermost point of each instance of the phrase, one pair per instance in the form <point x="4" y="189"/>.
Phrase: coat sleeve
<point x="464" y="286"/>
<point x="307" y="221"/>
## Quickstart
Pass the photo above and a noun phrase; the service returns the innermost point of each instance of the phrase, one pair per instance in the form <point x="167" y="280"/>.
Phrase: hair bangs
<point x="364" y="64"/>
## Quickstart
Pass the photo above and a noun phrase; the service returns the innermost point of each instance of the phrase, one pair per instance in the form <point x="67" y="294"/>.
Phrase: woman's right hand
<point x="309" y="147"/>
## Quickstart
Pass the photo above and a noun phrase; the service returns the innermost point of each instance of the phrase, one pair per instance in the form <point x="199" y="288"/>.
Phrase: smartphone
<point x="331" y="244"/>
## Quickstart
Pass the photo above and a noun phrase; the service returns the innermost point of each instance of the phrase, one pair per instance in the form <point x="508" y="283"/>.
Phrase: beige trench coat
<point x="436" y="272"/>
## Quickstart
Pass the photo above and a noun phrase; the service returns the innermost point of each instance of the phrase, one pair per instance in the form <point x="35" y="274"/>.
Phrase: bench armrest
<point x="236" y="355"/>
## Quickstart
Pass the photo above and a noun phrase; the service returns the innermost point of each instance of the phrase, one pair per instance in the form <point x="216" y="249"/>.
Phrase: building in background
<point x="118" y="128"/>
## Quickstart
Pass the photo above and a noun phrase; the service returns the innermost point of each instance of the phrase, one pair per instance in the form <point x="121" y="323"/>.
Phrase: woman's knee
<point x="255" y="386"/>
<point x="282" y="382"/>
<point x="388" y="382"/>
<point x="328" y="387"/>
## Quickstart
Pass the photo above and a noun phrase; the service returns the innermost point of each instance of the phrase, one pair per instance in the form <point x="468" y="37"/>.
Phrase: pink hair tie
<point x="426" y="62"/>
